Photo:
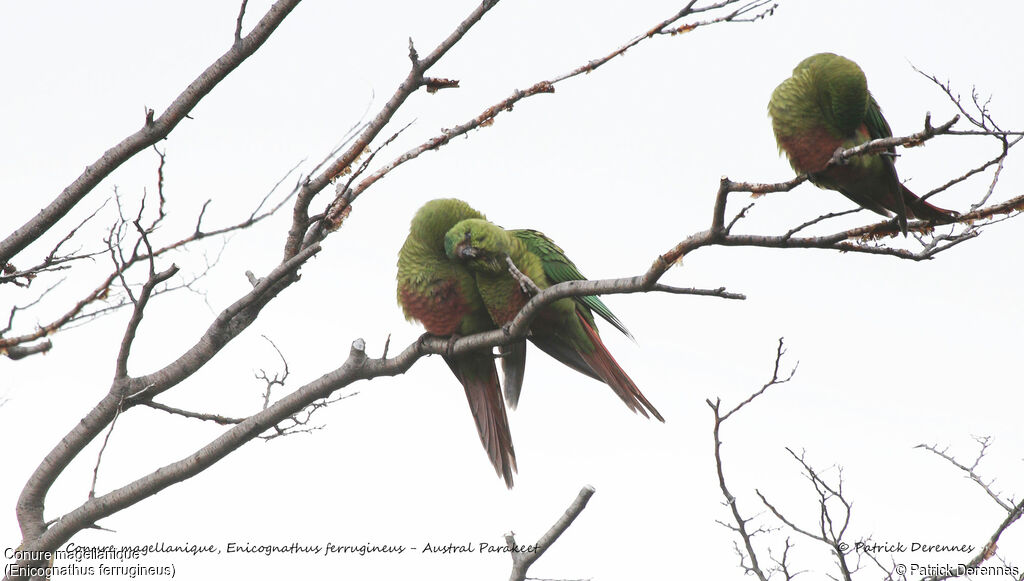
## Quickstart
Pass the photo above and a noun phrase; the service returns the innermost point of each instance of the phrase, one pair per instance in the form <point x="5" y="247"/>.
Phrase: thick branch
<point x="16" y="352"/>
<point x="357" y="367"/>
<point x="225" y="327"/>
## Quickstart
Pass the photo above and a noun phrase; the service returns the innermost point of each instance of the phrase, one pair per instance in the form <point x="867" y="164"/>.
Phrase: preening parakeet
<point x="564" y="329"/>
<point x="442" y="294"/>
<point x="826" y="105"/>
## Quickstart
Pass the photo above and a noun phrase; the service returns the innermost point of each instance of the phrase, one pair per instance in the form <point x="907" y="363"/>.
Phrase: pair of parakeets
<point x="454" y="276"/>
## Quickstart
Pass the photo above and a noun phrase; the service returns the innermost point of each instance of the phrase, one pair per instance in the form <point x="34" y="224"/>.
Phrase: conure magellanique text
<point x="442" y="295"/>
<point x="564" y="329"/>
<point x="825" y="106"/>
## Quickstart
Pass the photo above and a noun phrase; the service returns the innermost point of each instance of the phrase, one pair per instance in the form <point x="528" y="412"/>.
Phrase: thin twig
<point x="216" y="418"/>
<point x="99" y="455"/>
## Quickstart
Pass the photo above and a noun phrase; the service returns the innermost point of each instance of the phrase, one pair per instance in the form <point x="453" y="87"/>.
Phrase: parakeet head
<point x="842" y="88"/>
<point x="436" y="216"/>
<point x="478" y="244"/>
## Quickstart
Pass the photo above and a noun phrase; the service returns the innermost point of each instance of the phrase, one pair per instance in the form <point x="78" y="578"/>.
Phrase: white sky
<point x="617" y="167"/>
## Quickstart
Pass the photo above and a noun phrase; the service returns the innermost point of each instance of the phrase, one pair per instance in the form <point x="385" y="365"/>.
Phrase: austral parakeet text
<point x="442" y="295"/>
<point x="825" y="106"/>
<point x="564" y="329"/>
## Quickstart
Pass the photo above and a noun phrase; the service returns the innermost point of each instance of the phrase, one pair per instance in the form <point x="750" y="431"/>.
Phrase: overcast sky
<point x="616" y="166"/>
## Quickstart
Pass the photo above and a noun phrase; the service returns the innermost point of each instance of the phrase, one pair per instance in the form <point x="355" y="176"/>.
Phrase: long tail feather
<point x="513" y="365"/>
<point x="922" y="210"/>
<point x="564" y="353"/>
<point x="602" y="362"/>
<point x="479" y="377"/>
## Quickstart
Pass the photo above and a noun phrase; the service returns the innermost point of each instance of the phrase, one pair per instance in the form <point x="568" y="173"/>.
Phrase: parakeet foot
<point x="526" y="283"/>
<point x="449" y="350"/>
<point x="837" y="157"/>
<point x="422" y="340"/>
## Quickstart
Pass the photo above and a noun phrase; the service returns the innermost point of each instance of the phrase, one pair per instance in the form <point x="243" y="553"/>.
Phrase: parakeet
<point x="826" y="105"/>
<point x="442" y="295"/>
<point x="564" y="329"/>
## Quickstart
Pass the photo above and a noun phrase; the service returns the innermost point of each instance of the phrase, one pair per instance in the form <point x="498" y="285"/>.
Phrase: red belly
<point x="441" y="309"/>
<point x="811" y="151"/>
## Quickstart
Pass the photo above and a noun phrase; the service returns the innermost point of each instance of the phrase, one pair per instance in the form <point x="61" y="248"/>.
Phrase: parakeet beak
<point x="466" y="251"/>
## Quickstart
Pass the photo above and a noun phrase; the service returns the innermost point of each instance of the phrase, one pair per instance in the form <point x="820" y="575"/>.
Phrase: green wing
<point x="558" y="268"/>
<point x="878" y="127"/>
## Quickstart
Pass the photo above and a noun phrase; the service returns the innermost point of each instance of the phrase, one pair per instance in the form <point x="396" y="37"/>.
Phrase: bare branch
<point x="1013" y="511"/>
<point x="299" y="422"/>
<point x="775" y="380"/>
<point x="238" y="23"/>
<point x="730" y="501"/>
<point x="989" y="549"/>
<point x="53" y="260"/>
<point x="218" y="419"/>
<point x="819" y="219"/>
<point x="983" y="442"/>
<point x="786" y="521"/>
<point x="122" y="265"/>
<point x="524" y="557"/>
<point x="827" y="533"/>
<point x="277" y="379"/>
<point x="26" y="306"/>
<point x="152" y="132"/>
<point x="358" y="366"/>
<point x="741" y="523"/>
<point x="413" y="81"/>
<point x="487" y="117"/>
<point x="887" y="143"/>
<point x="291" y="413"/>
<point x="121" y="372"/>
<point x="225" y="327"/>
<point x="99" y="455"/>
<point x="16" y="352"/>
<point x="484" y="119"/>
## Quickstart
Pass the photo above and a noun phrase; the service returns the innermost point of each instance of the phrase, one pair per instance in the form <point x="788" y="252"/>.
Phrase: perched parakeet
<point x="564" y="329"/>
<point x="826" y="105"/>
<point x="442" y="295"/>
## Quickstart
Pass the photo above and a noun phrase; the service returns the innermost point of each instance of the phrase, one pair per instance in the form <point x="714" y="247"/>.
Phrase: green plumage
<point x="443" y="296"/>
<point x="565" y="328"/>
<point x="558" y="268"/>
<point x="824" y="106"/>
<point x="453" y="304"/>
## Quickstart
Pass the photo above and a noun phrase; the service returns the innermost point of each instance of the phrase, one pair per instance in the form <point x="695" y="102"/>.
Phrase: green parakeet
<point x="442" y="295"/>
<point x="564" y="329"/>
<point x="826" y="105"/>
